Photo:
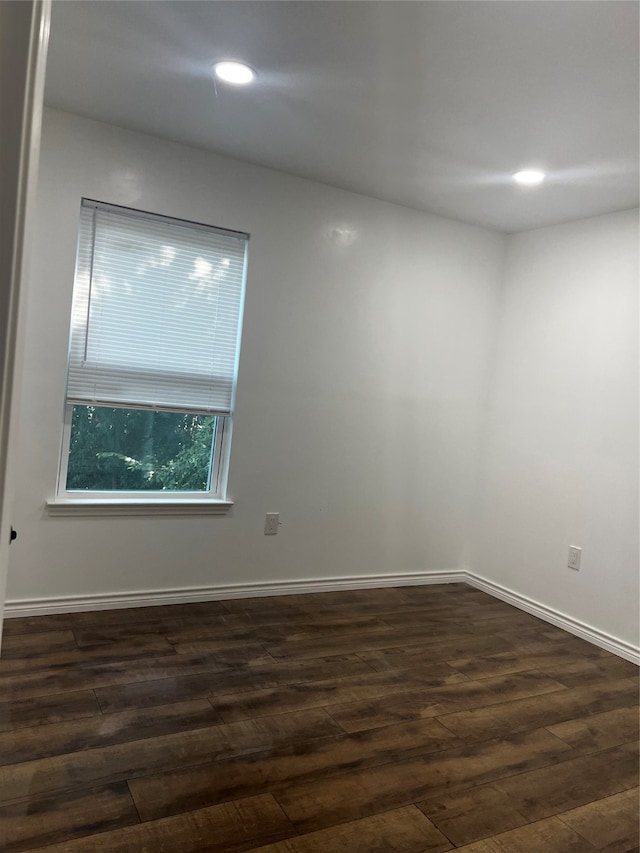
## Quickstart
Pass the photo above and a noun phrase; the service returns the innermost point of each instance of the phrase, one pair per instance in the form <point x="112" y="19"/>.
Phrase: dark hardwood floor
<point x="412" y="720"/>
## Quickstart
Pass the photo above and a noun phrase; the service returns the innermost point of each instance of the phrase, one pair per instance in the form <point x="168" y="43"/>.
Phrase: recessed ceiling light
<point x="234" y="72"/>
<point x="528" y="177"/>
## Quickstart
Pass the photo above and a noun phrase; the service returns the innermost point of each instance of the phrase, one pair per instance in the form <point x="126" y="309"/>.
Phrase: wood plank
<point x="317" y="623"/>
<point x="314" y="601"/>
<point x="441" y="593"/>
<point x="547" y="836"/>
<point x="433" y="702"/>
<point x="488" y="666"/>
<point x="23" y="625"/>
<point x="599" y="731"/>
<point x="47" y="709"/>
<point x="417" y="610"/>
<point x="547" y="636"/>
<point x="279" y="604"/>
<point x="225" y="622"/>
<point x="451" y="591"/>
<point x="238" y="626"/>
<point x="228" y="827"/>
<point x="485" y="810"/>
<point x="607" y="667"/>
<point x="315" y="694"/>
<point x="168" y="665"/>
<point x="295" y="650"/>
<point x="517" y="622"/>
<point x="421" y="612"/>
<point x="542" y="632"/>
<point x="317" y="804"/>
<point x="472" y="814"/>
<point x="291" y="631"/>
<point x="327" y="626"/>
<point x="163" y="691"/>
<point x="401" y="657"/>
<point x="43" y="741"/>
<point x="443" y="611"/>
<point x="264" y="634"/>
<point x="388" y="596"/>
<point x="131" y="616"/>
<point x="44" y="642"/>
<point x="573" y="782"/>
<point x="153" y="646"/>
<point x="194" y="787"/>
<point x="611" y="825"/>
<point x="188" y="610"/>
<point x="120" y="761"/>
<point x="47" y="820"/>
<point x="146" y="631"/>
<point x="404" y="830"/>
<point x="534" y="712"/>
<point x="302" y="618"/>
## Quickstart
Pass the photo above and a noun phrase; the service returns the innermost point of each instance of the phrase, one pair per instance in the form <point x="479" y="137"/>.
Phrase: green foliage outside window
<point x="138" y="450"/>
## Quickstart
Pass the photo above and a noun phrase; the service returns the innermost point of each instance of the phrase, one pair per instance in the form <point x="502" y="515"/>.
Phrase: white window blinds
<point x="157" y="312"/>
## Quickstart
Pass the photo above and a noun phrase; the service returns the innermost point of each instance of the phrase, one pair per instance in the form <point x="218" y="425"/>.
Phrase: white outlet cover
<point x="271" y="523"/>
<point x="575" y="553"/>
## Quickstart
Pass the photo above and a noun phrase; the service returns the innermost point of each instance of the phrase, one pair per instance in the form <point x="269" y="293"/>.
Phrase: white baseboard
<point x="149" y="598"/>
<point x="555" y="617"/>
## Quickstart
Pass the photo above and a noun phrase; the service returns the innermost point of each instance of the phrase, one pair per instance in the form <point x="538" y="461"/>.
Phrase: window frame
<point x="214" y="500"/>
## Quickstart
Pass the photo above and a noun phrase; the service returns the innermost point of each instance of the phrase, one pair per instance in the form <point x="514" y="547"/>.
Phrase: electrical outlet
<point x="574" y="557"/>
<point x="271" y="523"/>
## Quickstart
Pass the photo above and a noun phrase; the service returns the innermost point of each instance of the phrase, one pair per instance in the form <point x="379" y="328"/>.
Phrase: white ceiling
<point x="429" y="104"/>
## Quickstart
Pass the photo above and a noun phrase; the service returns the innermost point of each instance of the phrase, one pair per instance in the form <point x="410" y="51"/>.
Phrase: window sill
<point x="124" y="507"/>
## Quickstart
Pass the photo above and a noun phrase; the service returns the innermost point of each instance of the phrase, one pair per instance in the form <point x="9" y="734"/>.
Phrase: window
<point x="153" y="355"/>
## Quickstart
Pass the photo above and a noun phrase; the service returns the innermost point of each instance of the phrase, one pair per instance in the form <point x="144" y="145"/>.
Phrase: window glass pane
<point x="139" y="450"/>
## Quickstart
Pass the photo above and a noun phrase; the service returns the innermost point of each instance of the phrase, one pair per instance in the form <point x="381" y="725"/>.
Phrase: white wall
<point x="560" y="465"/>
<point x="362" y="377"/>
